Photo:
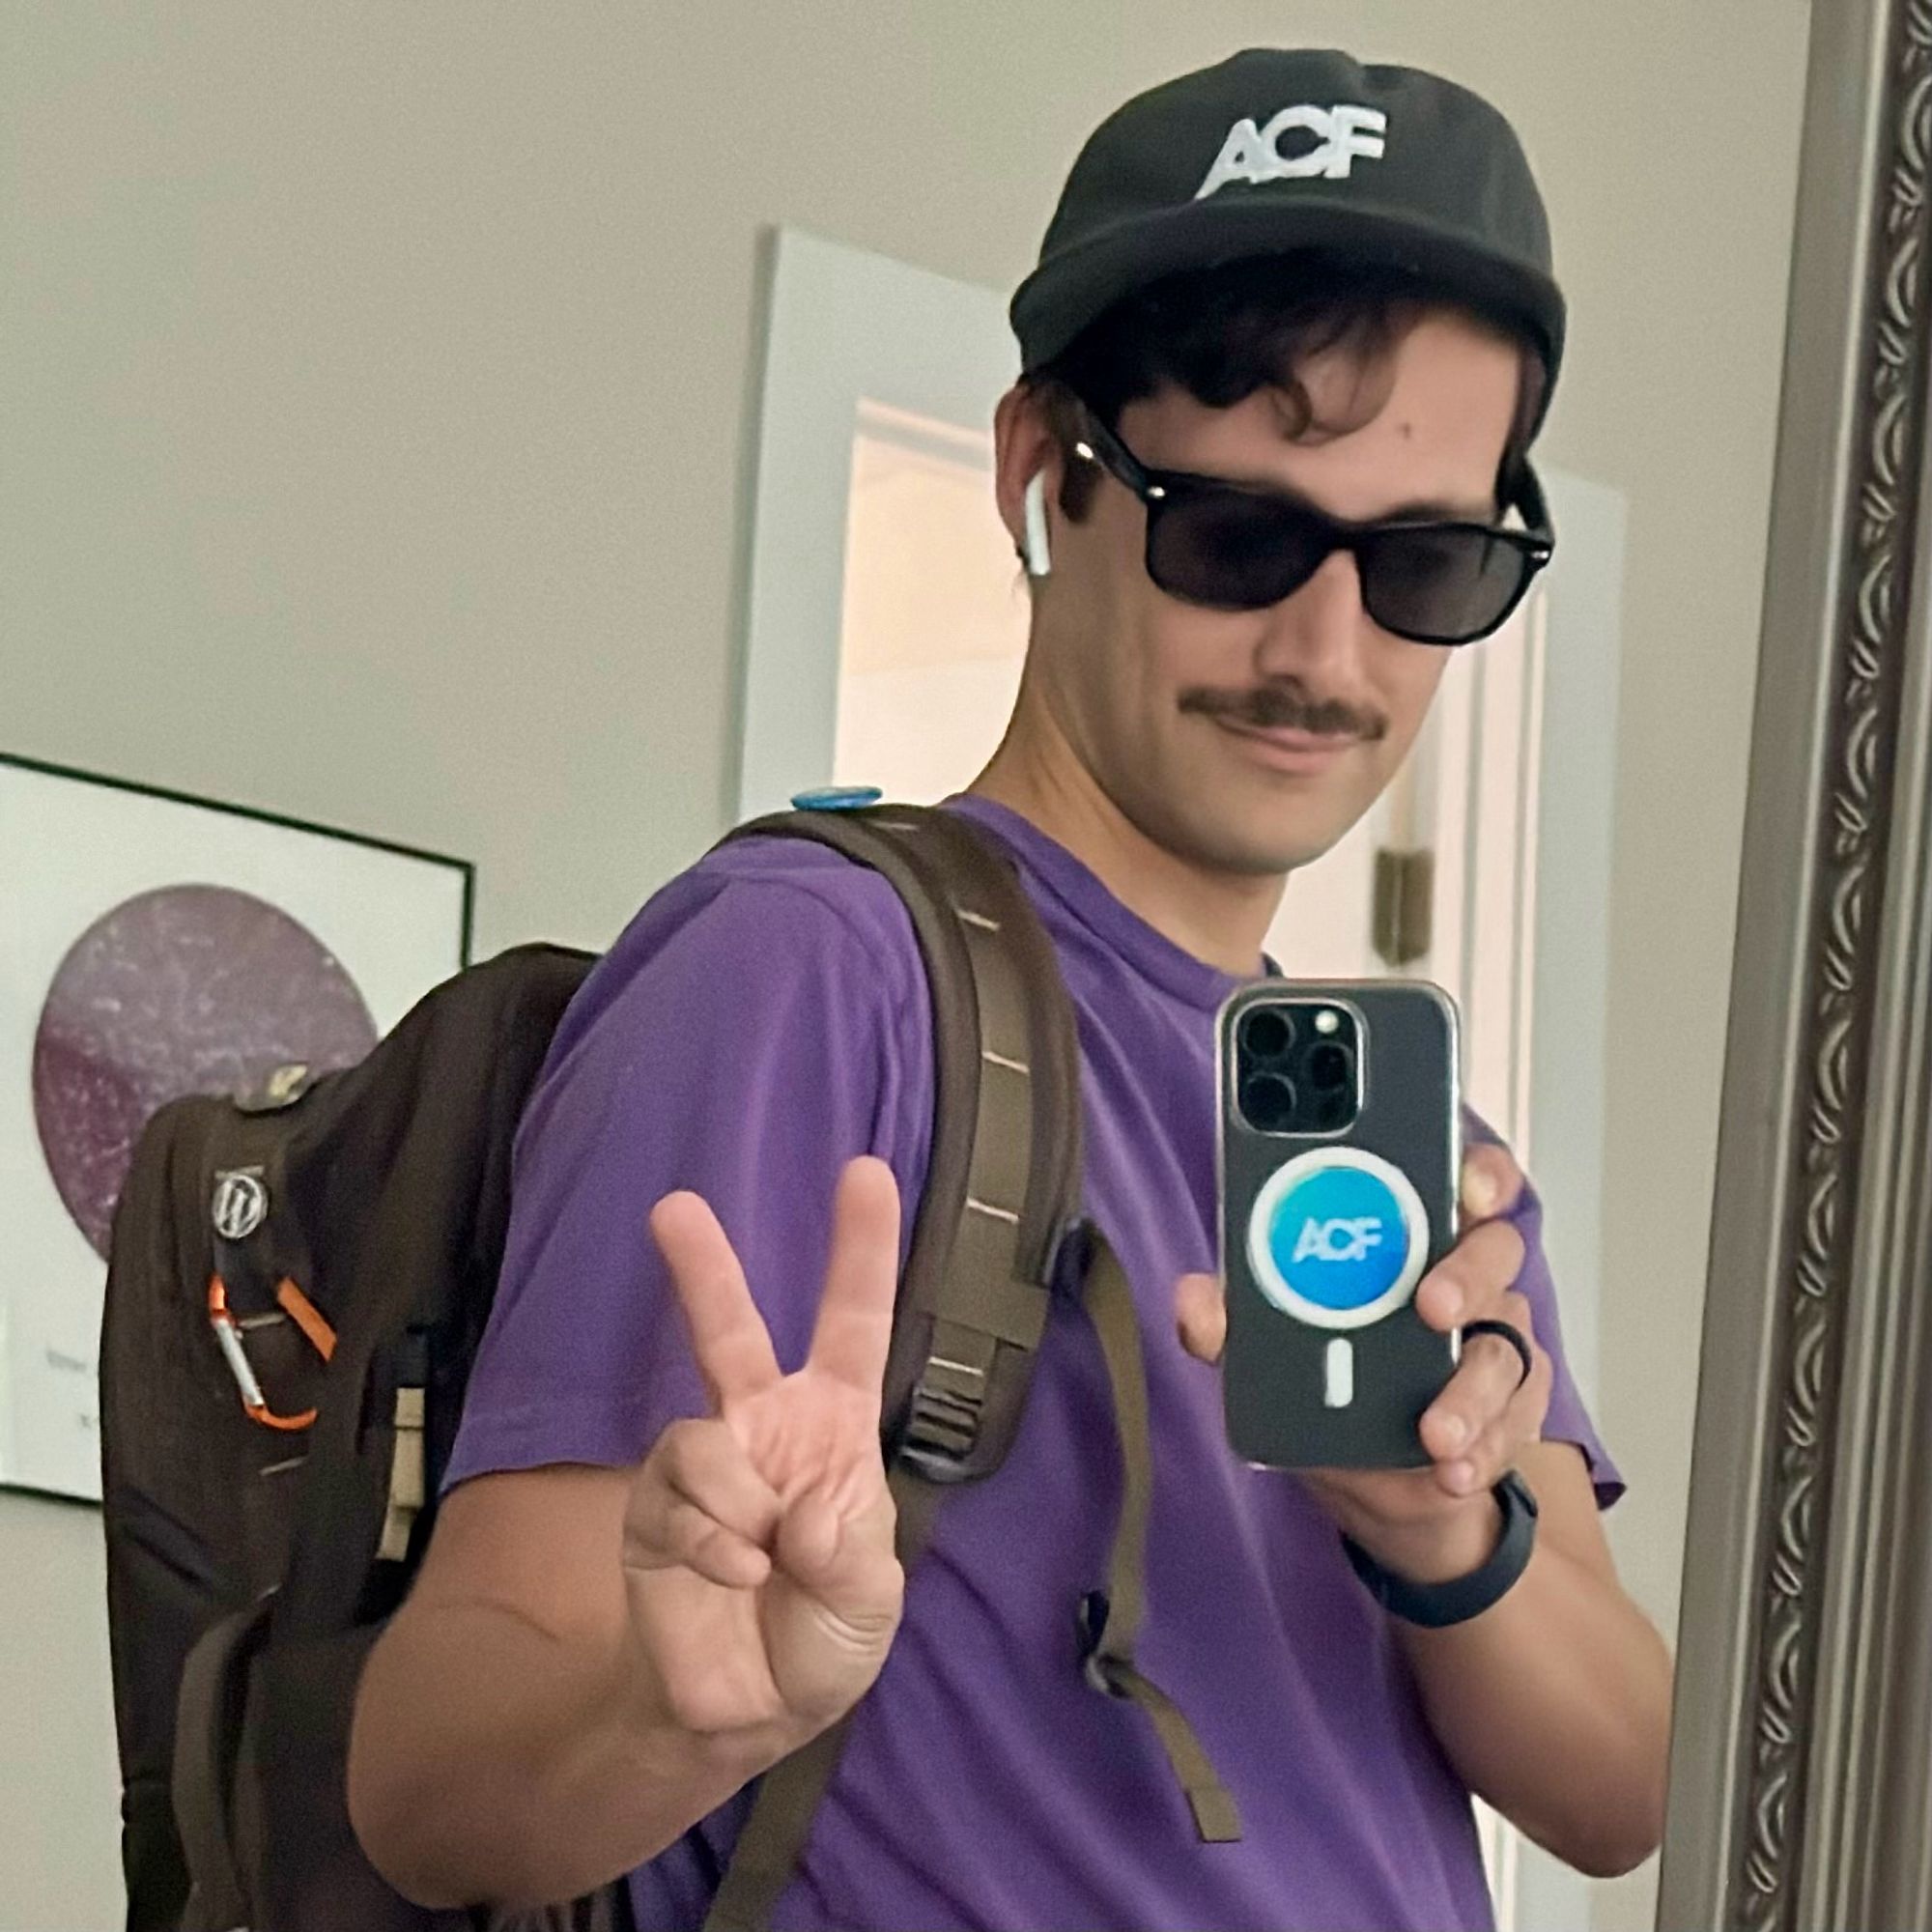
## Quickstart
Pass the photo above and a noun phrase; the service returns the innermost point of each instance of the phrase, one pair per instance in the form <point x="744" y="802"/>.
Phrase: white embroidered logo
<point x="1342" y="136"/>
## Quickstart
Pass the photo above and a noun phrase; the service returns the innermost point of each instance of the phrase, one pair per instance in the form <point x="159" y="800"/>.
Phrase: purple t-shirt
<point x="763" y="1020"/>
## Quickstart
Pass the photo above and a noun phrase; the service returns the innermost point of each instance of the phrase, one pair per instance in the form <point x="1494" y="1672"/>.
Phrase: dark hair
<point x="1222" y="333"/>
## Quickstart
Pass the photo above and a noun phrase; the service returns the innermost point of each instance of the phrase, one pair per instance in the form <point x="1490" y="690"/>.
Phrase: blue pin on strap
<point x="836" y="798"/>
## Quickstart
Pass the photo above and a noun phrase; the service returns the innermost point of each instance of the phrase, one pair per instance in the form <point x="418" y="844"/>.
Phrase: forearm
<point x="1555" y="1705"/>
<point x="494" y="1762"/>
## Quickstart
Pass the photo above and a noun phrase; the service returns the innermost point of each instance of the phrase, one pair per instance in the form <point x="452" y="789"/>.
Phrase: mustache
<point x="1284" y="706"/>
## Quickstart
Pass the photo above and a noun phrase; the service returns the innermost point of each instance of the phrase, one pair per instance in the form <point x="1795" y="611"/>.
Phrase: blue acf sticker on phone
<point x="1338" y="1237"/>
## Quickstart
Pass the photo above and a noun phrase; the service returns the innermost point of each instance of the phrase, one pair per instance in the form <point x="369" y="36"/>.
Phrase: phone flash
<point x="1327" y="1022"/>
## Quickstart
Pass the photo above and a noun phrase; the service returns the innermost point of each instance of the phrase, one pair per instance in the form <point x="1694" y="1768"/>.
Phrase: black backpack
<point x="298" y="1285"/>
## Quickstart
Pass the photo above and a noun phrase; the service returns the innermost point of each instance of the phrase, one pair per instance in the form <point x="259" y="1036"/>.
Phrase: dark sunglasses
<point x="1242" y="546"/>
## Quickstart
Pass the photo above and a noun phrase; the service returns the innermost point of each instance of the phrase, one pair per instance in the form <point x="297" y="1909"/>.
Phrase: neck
<point x="1221" y="917"/>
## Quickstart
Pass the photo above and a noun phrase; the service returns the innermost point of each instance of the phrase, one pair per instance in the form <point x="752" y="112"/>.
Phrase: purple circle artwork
<point x="192" y="989"/>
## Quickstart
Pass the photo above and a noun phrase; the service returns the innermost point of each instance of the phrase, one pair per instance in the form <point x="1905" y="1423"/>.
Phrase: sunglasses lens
<point x="1231" y="550"/>
<point x="1447" y="587"/>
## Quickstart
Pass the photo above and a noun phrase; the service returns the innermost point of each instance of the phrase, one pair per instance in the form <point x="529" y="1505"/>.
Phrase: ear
<point x="1023" y="448"/>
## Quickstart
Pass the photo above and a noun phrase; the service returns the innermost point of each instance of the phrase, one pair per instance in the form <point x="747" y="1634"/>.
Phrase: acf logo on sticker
<point x="1338" y="1238"/>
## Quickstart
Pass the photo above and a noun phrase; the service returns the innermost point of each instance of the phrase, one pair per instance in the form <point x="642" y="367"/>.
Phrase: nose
<point x="1319" y="633"/>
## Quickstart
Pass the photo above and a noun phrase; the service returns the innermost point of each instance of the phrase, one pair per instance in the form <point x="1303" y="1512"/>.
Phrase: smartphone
<point x="1340" y="1154"/>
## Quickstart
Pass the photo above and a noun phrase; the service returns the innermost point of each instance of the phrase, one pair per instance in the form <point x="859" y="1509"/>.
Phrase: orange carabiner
<point x="227" y="1332"/>
<point x="307" y="1316"/>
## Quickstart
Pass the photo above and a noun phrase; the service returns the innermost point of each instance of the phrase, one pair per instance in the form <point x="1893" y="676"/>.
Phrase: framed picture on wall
<point x="154" y="945"/>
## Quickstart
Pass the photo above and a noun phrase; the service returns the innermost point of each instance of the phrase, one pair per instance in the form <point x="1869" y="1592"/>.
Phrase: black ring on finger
<point x="1505" y="1331"/>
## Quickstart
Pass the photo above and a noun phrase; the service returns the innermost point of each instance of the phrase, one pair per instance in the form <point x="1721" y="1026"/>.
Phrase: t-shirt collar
<point x="1092" y="904"/>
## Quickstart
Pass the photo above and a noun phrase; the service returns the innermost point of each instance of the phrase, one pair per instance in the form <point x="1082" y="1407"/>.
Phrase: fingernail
<point x="1481" y="1191"/>
<point x="1455" y="1431"/>
<point x="1462" y="1477"/>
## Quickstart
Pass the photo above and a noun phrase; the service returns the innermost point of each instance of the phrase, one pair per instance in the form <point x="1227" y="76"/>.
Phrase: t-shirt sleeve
<point x="1568" y="1420"/>
<point x="747" y="1048"/>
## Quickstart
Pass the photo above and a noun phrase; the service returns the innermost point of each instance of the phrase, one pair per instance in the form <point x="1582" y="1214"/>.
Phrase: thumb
<point x="1201" y="1315"/>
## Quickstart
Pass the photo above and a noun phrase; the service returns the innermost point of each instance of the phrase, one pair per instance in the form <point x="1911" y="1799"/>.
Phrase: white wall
<point x="373" y="387"/>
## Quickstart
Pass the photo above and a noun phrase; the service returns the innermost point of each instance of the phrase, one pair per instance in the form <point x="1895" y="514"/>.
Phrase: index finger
<point x="855" y="1315"/>
<point x="728" y="1335"/>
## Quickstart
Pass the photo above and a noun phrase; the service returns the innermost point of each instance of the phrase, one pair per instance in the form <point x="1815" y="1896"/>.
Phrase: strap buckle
<point x="943" y="1422"/>
<point x="408" y="1491"/>
<point x="954" y="1398"/>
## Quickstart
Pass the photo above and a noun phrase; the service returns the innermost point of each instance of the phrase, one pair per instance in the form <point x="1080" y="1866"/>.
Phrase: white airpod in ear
<point x="1039" y="556"/>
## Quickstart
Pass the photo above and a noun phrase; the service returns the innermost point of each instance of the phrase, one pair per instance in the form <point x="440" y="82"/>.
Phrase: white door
<point x="887" y="627"/>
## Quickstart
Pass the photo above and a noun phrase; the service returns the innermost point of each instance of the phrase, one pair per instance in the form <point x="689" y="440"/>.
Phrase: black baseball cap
<point x="1275" y="151"/>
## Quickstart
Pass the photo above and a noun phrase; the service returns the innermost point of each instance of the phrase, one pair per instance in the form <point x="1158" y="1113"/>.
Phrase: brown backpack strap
<point x="1001" y="1193"/>
<point x="773" y="1836"/>
<point x="1000" y="1200"/>
<point x="1003" y="1178"/>
<point x="1110" y="1618"/>
<point x="765" y="1859"/>
<point x="214" y="1688"/>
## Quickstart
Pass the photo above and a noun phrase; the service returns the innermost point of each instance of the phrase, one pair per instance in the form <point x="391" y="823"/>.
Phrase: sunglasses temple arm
<point x="1535" y="508"/>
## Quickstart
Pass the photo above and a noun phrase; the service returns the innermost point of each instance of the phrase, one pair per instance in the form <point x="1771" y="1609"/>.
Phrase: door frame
<point x="844" y="326"/>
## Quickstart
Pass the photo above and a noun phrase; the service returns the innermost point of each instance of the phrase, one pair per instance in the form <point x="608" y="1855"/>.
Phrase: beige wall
<point x="375" y="384"/>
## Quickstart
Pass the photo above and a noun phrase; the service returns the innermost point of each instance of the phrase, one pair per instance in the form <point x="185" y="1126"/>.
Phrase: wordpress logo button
<point x="1338" y="1237"/>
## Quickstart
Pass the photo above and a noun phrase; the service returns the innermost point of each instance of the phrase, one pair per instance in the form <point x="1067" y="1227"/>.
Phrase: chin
<point x="1274" y="859"/>
<point x="1242" y="835"/>
<point x="1252" y="850"/>
<point x="1280" y="831"/>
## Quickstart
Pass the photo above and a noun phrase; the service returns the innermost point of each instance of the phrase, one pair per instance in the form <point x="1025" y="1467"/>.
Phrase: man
<point x="1321" y="292"/>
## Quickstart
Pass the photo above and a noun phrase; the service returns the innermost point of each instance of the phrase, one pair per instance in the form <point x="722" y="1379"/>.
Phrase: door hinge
<point x="1404" y="905"/>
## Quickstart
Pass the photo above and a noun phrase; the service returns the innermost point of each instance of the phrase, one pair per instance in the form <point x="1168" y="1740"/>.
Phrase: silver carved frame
<point x="1802" y="1770"/>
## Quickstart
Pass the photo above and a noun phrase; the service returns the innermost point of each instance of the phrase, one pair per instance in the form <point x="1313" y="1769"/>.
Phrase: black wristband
<point x="1440" y="1605"/>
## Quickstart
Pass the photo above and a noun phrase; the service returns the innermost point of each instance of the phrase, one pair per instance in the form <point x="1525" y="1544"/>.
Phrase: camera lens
<point x="1330" y="1067"/>
<point x="1331" y="1110"/>
<point x="1269" y="1102"/>
<point x="1267" y="1033"/>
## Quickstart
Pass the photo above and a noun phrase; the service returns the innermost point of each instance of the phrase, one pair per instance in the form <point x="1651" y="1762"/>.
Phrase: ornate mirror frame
<point x="1802" y="1784"/>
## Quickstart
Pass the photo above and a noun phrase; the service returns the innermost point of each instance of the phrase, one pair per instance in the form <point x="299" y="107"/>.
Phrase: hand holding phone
<point x="1429" y="1514"/>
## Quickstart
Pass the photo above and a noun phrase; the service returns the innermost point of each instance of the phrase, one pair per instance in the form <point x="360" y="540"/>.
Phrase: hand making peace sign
<point x="758" y="1540"/>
